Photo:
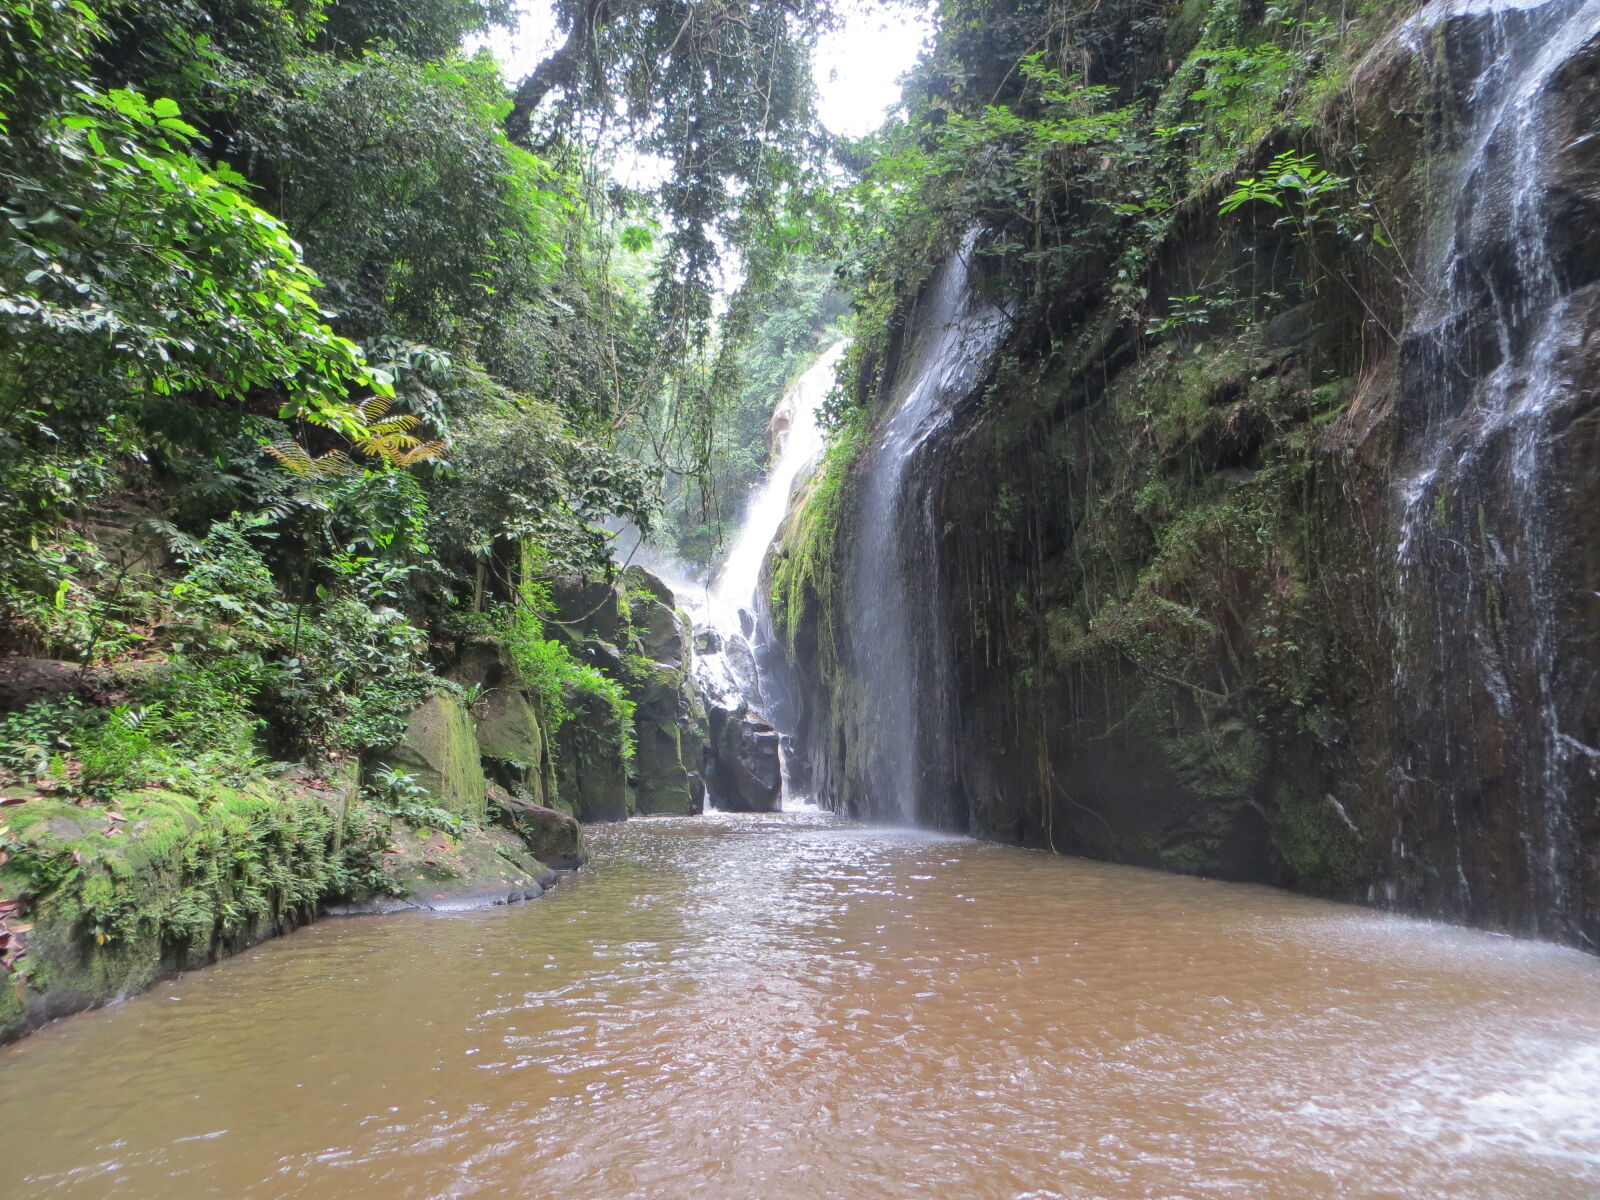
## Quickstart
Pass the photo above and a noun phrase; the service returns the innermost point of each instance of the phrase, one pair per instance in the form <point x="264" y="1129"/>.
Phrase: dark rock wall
<point x="1178" y="622"/>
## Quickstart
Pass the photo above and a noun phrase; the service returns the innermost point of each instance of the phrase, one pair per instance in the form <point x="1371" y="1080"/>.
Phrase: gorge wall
<point x="1284" y="570"/>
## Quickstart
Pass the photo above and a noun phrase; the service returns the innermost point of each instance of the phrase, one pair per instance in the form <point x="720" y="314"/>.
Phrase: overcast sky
<point x="857" y="68"/>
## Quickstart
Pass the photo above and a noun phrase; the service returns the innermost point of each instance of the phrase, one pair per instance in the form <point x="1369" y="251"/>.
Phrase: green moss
<point x="804" y="569"/>
<point x="441" y="749"/>
<point x="1319" y="843"/>
<point x="156" y="880"/>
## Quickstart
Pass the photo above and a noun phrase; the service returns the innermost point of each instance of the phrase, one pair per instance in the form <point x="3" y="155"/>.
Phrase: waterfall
<point x="1499" y="714"/>
<point x="796" y="444"/>
<point x="740" y="669"/>
<point x="896" y="625"/>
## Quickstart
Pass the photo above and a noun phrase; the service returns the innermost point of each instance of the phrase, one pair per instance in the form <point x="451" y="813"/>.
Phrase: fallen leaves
<point x="12" y="945"/>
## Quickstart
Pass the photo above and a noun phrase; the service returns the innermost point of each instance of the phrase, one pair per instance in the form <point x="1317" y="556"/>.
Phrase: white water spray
<point x="796" y="445"/>
<point x="737" y="669"/>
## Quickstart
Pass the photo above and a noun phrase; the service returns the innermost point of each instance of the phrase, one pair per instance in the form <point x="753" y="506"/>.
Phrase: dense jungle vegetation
<point x="308" y="363"/>
<point x="325" y="348"/>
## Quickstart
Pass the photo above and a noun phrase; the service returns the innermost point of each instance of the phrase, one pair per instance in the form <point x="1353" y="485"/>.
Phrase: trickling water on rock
<point x="899" y="653"/>
<point x="1502" y="756"/>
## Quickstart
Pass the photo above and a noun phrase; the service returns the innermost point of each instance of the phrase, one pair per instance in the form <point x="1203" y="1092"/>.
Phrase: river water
<point x="775" y="1007"/>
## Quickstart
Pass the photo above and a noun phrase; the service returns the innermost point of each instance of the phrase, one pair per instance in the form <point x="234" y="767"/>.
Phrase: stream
<point x="794" y="1005"/>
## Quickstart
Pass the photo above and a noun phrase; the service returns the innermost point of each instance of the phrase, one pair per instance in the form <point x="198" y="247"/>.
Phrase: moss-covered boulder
<point x="632" y="631"/>
<point x="441" y="749"/>
<point x="663" y="633"/>
<point x="591" y="773"/>
<point x="118" y="894"/>
<point x="508" y="717"/>
<point x="450" y="871"/>
<point x="662" y="768"/>
<point x="553" y="837"/>
<point x="586" y="608"/>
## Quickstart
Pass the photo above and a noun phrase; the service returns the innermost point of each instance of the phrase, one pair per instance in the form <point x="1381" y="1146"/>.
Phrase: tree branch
<point x="559" y="71"/>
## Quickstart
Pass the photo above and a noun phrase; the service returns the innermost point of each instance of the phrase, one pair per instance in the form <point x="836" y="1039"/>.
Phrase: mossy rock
<point x="550" y="835"/>
<point x="508" y="727"/>
<point x="442" y="871"/>
<point x="122" y="893"/>
<point x="507" y="719"/>
<point x="590" y="771"/>
<point x="667" y="749"/>
<point x="441" y="749"/>
<point x="662" y="632"/>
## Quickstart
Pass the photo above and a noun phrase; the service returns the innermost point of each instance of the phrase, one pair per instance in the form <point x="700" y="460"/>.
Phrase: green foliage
<point x="549" y="669"/>
<point x="411" y="204"/>
<point x="303" y="355"/>
<point x="1056" y="136"/>
<point x="422" y="29"/>
<point x="128" y="260"/>
<point x="724" y="97"/>
<point x="800" y="312"/>
<point x="805" y="568"/>
<point x="209" y="868"/>
<point x="1313" y="201"/>
<point x="545" y="664"/>
<point x="33" y="738"/>
<point x="398" y="794"/>
<point x="184" y="729"/>
<point x="521" y="475"/>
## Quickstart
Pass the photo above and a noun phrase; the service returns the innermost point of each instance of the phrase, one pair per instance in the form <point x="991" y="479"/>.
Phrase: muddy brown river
<point x="766" y="1008"/>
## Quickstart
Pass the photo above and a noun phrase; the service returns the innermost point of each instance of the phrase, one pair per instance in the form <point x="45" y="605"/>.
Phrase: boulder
<point x="590" y="772"/>
<point x="661" y="768"/>
<point x="662" y="631"/>
<point x="741" y="664"/>
<point x="552" y="837"/>
<point x="509" y="720"/>
<point x="440" y="748"/>
<point x="743" y="771"/>
<point x="452" y="872"/>
<point x="592" y="606"/>
<point x="638" y="579"/>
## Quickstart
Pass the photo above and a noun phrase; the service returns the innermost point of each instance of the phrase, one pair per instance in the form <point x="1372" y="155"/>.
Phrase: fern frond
<point x="373" y="408"/>
<point x="292" y="456"/>
<point x="296" y="459"/>
<point x="395" y="425"/>
<point x="421" y="452"/>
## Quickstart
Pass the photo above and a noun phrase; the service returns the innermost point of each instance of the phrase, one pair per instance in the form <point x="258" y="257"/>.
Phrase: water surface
<point x="793" y="1007"/>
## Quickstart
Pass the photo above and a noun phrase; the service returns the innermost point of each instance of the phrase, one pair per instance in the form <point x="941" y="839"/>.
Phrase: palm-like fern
<point x="378" y="436"/>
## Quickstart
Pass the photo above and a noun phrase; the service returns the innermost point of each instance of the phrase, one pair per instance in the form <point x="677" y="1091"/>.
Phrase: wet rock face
<point x="1313" y="604"/>
<point x="441" y="749"/>
<point x="591" y="775"/>
<point x="633" y="630"/>
<point x="513" y="741"/>
<point x="743" y="770"/>
<point x="669" y="719"/>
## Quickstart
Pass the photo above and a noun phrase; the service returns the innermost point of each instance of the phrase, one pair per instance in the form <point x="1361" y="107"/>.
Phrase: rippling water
<point x="792" y="1007"/>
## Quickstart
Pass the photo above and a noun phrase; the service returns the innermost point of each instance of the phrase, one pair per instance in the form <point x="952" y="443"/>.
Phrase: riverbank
<point x="119" y="866"/>
<point x="120" y="894"/>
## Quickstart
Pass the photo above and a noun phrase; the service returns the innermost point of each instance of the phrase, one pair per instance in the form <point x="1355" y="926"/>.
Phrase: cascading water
<point x="796" y="444"/>
<point x="895" y="627"/>
<point x="739" y="671"/>
<point x="1501" y="716"/>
